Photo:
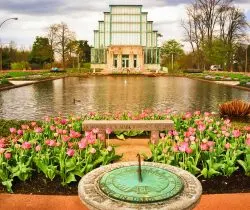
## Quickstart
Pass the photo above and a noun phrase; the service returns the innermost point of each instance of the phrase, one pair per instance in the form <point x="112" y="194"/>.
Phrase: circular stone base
<point x="93" y="197"/>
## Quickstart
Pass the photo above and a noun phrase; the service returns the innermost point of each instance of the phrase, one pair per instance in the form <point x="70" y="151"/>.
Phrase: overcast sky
<point x="82" y="16"/>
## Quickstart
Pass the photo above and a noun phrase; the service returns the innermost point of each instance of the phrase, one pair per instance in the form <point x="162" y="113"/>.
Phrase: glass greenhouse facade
<point x="125" y="39"/>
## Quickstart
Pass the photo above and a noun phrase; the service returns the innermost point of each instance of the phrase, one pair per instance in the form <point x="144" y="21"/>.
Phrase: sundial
<point x="140" y="184"/>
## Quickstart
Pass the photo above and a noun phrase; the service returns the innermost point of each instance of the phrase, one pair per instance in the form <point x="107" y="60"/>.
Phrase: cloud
<point x="82" y="17"/>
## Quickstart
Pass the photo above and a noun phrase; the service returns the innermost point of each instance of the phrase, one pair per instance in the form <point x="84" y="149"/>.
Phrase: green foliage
<point x="5" y="126"/>
<point x="54" y="147"/>
<point x="171" y="47"/>
<point x="41" y="52"/>
<point x="171" y="51"/>
<point x="20" y="65"/>
<point x="10" y="54"/>
<point x="4" y="81"/>
<point x="216" y="52"/>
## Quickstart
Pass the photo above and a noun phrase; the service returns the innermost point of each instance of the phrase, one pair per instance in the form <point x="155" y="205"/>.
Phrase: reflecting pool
<point x="114" y="93"/>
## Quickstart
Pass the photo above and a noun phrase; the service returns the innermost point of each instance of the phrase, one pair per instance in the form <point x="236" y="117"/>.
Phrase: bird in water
<point x="76" y="100"/>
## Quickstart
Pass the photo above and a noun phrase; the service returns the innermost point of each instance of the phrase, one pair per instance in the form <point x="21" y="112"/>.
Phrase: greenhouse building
<point x="125" y="40"/>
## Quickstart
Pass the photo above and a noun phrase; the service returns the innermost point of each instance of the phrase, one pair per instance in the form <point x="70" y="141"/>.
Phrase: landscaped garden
<point x="55" y="151"/>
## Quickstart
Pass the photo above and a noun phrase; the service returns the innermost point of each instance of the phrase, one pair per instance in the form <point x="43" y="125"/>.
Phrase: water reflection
<point x="111" y="94"/>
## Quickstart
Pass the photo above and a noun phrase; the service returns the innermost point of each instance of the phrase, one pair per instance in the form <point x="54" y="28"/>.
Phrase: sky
<point x="82" y="16"/>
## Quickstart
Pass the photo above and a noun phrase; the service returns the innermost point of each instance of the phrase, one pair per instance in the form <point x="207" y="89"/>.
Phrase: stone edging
<point x="31" y="83"/>
<point x="91" y="195"/>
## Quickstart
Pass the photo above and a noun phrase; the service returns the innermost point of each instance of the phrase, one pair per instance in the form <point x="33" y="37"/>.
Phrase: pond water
<point x="111" y="94"/>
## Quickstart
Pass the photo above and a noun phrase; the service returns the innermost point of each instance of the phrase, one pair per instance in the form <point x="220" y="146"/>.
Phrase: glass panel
<point x="101" y="45"/>
<point x="149" y="40"/>
<point x="149" y="26"/>
<point x="126" y="10"/>
<point x="135" y="61"/>
<point x="115" y="61"/>
<point x="125" y="61"/>
<point x="125" y="38"/>
<point x="96" y="39"/>
<point x="101" y="26"/>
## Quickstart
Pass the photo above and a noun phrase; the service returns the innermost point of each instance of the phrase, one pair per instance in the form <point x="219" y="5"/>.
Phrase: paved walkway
<point x="130" y="148"/>
<point x="37" y="202"/>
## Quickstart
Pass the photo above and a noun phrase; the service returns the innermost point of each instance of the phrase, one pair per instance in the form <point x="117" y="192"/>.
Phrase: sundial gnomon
<point x="156" y="184"/>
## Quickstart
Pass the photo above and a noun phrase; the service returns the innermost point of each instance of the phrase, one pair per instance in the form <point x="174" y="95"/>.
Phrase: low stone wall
<point x="154" y="67"/>
<point x="98" y="66"/>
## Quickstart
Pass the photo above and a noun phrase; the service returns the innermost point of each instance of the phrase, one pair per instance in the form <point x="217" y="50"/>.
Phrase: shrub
<point x="20" y="65"/>
<point x="4" y="81"/>
<point x="235" y="108"/>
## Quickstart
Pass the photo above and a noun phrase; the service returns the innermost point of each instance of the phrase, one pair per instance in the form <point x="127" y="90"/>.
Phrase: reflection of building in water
<point x="124" y="94"/>
<point x="125" y="40"/>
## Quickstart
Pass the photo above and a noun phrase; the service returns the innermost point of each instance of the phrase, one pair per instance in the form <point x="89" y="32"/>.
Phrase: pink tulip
<point x="188" y="115"/>
<point x="95" y="130"/>
<point x="52" y="127"/>
<point x="82" y="144"/>
<point x="207" y="114"/>
<point x="101" y="136"/>
<point x="236" y="133"/>
<point x="197" y="113"/>
<point x="170" y="133"/>
<point x="227" y="145"/>
<point x="175" y="133"/>
<point x="38" y="148"/>
<point x="189" y="150"/>
<point x="63" y="121"/>
<point x="247" y="128"/>
<point x="183" y="146"/>
<point x="210" y="143"/>
<point x="52" y="143"/>
<point x="33" y="124"/>
<point x="227" y="122"/>
<point x="162" y="135"/>
<point x="7" y="155"/>
<point x="12" y="130"/>
<point x="201" y="127"/>
<point x="65" y="138"/>
<point x="92" y="150"/>
<point x="248" y="142"/>
<point x="2" y="145"/>
<point x="192" y="138"/>
<point x="20" y="132"/>
<point x="70" y="144"/>
<point x="38" y="130"/>
<point x="108" y="131"/>
<point x="26" y="145"/>
<point x="2" y="150"/>
<point x="70" y="152"/>
<point x="47" y="119"/>
<point x="204" y="147"/>
<point x="25" y="127"/>
<point x="64" y="132"/>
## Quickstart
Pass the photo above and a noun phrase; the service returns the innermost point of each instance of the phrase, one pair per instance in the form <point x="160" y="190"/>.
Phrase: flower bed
<point x="202" y="144"/>
<point x="56" y="148"/>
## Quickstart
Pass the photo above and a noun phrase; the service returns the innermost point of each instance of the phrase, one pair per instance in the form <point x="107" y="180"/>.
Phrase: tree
<point x="171" y="49"/>
<point x="213" y="19"/>
<point x="41" y="52"/>
<point x="217" y="53"/>
<point x="85" y="51"/>
<point x="60" y="36"/>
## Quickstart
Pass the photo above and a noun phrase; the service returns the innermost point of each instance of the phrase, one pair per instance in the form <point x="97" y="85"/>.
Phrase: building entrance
<point x="125" y="61"/>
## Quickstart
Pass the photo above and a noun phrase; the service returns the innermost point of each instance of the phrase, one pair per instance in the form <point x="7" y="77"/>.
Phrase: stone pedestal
<point x="94" y="198"/>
